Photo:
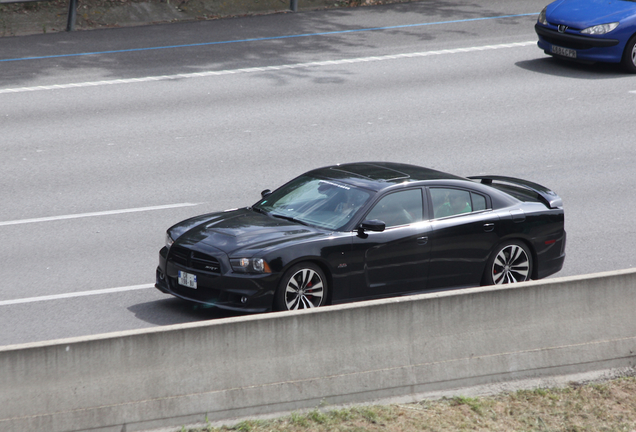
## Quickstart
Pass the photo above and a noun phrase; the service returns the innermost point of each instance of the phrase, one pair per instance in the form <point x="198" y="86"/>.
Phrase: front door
<point x="396" y="260"/>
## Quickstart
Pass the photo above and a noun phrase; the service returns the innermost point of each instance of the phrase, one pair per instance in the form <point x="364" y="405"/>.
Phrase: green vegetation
<point x="608" y="406"/>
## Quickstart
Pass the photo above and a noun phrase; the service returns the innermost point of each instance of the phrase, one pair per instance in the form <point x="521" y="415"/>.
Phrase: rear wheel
<point x="303" y="286"/>
<point x="511" y="263"/>
<point x="629" y="55"/>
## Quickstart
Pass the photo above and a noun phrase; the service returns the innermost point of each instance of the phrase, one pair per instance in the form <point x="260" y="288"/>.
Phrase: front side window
<point x="398" y="208"/>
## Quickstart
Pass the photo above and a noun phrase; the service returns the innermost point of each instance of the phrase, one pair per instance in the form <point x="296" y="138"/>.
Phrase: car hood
<point x="237" y="230"/>
<point x="582" y="14"/>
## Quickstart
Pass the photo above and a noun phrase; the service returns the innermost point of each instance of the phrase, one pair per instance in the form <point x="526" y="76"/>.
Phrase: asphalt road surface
<point x="108" y="137"/>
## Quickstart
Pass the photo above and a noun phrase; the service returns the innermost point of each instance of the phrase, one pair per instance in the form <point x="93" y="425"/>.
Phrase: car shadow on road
<point x="175" y="311"/>
<point x="571" y="69"/>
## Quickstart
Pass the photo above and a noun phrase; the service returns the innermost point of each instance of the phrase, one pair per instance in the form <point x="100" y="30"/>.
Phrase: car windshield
<point x="312" y="201"/>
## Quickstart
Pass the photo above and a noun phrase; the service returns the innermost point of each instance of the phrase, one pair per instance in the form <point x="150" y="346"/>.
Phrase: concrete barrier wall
<point x="180" y="374"/>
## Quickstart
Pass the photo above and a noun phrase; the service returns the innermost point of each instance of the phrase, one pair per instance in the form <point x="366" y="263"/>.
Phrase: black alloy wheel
<point x="512" y="263"/>
<point x="303" y="286"/>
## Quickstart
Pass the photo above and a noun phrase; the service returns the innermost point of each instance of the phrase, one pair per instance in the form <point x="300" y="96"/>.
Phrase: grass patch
<point x="606" y="407"/>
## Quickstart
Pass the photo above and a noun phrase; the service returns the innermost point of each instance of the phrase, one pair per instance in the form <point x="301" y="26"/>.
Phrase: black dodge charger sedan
<point x="363" y="231"/>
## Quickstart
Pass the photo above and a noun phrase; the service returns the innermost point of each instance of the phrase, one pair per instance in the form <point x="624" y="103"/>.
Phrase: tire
<point x="511" y="263"/>
<point x="629" y="55"/>
<point x="303" y="286"/>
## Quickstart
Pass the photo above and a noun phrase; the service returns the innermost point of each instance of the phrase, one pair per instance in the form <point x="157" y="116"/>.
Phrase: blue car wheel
<point x="629" y="56"/>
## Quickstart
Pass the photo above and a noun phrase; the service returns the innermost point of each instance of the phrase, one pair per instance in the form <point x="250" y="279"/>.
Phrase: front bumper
<point x="587" y="48"/>
<point x="223" y="289"/>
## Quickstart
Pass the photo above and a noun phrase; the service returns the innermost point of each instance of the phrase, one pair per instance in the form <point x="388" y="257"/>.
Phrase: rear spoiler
<point x="545" y="195"/>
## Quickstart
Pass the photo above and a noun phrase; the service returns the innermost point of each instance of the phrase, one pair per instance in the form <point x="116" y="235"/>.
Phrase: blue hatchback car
<point x="590" y="31"/>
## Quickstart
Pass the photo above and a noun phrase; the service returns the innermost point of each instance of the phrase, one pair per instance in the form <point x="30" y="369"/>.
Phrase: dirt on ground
<point x="46" y="16"/>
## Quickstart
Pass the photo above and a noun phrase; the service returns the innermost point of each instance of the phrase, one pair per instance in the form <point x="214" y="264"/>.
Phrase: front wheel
<point x="512" y="263"/>
<point x="629" y="55"/>
<point x="303" y="286"/>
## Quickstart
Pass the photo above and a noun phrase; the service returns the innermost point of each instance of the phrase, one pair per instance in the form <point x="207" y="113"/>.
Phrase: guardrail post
<point x="293" y="5"/>
<point x="72" y="11"/>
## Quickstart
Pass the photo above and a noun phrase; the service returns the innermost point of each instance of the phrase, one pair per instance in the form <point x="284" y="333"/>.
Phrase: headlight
<point x="250" y="265"/>
<point x="542" y="19"/>
<point x="600" y="29"/>
<point x="169" y="240"/>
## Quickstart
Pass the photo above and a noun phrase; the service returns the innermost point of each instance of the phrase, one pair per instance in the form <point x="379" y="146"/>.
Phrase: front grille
<point x="572" y="44"/>
<point x="205" y="262"/>
<point x="194" y="260"/>
<point x="179" y="256"/>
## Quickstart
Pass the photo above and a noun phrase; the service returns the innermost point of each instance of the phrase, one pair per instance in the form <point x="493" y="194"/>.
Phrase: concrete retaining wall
<point x="276" y="362"/>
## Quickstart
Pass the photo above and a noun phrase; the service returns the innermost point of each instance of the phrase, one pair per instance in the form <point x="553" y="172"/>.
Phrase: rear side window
<point x="479" y="201"/>
<point x="452" y="202"/>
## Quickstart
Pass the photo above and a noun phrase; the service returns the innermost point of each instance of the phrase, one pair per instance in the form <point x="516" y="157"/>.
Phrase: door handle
<point x="422" y="240"/>
<point x="488" y="227"/>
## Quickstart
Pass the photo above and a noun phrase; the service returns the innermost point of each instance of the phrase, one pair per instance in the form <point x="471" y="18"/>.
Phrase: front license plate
<point x="187" y="279"/>
<point x="565" y="52"/>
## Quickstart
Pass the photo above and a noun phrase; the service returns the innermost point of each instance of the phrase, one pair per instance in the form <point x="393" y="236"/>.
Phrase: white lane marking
<point x="267" y="68"/>
<point x="77" y="294"/>
<point x="102" y="213"/>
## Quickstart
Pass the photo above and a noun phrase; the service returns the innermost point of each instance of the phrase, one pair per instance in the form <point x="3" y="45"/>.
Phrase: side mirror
<point x="265" y="193"/>
<point x="372" y="225"/>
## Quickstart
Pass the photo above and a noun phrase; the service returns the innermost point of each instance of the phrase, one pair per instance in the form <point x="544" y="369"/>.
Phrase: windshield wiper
<point x="289" y="218"/>
<point x="258" y="210"/>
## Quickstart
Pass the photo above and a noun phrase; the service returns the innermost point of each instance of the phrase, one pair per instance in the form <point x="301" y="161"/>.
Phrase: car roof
<point x="380" y="175"/>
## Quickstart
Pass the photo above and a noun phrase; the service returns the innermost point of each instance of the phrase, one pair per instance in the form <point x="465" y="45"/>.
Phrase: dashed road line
<point x="94" y="214"/>
<point x="76" y="294"/>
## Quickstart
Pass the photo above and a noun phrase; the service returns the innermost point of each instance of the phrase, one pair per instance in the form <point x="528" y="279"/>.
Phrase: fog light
<point x="243" y="299"/>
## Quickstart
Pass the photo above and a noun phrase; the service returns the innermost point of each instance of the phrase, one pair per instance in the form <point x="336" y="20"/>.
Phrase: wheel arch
<point x="535" y="257"/>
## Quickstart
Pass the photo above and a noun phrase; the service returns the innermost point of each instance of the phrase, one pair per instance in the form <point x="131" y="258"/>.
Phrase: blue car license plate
<point x="565" y="52"/>
<point x="187" y="279"/>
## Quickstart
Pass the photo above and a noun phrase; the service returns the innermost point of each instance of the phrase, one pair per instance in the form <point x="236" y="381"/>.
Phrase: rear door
<point x="463" y="231"/>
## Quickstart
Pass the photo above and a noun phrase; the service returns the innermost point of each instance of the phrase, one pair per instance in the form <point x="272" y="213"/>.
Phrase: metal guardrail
<point x="72" y="9"/>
